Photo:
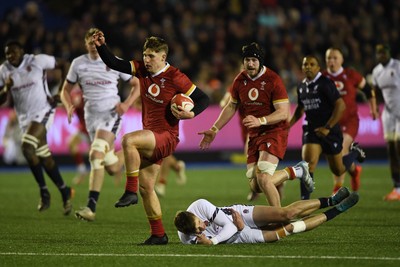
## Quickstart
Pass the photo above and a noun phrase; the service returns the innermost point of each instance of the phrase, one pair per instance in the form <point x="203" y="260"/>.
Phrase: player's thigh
<point x="107" y="136"/>
<point x="37" y="130"/>
<point x="263" y="215"/>
<point x="143" y="140"/>
<point x="391" y="126"/>
<point x="266" y="156"/>
<point x="347" y="140"/>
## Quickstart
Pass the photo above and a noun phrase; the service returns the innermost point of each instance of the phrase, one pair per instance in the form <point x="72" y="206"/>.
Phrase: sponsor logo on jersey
<point x="154" y="90"/>
<point x="339" y="85"/>
<point x="253" y="94"/>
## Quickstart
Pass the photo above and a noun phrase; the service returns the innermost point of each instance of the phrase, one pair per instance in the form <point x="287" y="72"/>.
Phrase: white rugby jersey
<point x="219" y="220"/>
<point x="30" y="89"/>
<point x="98" y="82"/>
<point x="387" y="78"/>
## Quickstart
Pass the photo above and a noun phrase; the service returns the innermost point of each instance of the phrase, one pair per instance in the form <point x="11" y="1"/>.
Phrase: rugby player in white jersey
<point x="204" y="223"/>
<point x="386" y="77"/>
<point x="103" y="110"/>
<point x="24" y="77"/>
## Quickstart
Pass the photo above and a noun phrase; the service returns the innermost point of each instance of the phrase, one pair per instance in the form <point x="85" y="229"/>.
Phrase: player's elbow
<point x="284" y="115"/>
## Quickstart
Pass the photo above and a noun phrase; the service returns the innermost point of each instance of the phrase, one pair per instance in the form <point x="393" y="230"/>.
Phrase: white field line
<point x="199" y="255"/>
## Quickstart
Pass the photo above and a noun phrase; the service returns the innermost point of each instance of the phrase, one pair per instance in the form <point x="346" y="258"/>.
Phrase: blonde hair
<point x="156" y="44"/>
<point x="90" y="33"/>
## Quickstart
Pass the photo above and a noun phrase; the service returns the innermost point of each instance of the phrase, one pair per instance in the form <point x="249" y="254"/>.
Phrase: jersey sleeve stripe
<point x="280" y="101"/>
<point x="190" y="91"/>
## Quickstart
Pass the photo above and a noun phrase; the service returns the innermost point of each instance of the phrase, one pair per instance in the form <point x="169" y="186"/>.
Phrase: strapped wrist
<point x="214" y="241"/>
<point x="214" y="129"/>
<point x="263" y="120"/>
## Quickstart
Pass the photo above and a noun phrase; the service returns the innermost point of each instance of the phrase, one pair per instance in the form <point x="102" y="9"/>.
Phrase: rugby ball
<point x="182" y="100"/>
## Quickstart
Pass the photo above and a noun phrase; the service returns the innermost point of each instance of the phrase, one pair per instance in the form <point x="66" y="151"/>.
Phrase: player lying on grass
<point x="204" y="223"/>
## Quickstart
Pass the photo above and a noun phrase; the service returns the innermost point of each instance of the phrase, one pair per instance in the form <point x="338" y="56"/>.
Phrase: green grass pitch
<point x="366" y="235"/>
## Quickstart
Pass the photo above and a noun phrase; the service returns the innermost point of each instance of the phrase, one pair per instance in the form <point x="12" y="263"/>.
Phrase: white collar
<point x="335" y="74"/>
<point x="315" y="78"/>
<point x="262" y="71"/>
<point x="162" y="70"/>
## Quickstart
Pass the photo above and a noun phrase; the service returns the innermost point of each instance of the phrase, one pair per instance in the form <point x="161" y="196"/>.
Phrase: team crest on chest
<point x="154" y="90"/>
<point x="28" y="68"/>
<point x="262" y="85"/>
<point x="253" y="94"/>
<point x="162" y="80"/>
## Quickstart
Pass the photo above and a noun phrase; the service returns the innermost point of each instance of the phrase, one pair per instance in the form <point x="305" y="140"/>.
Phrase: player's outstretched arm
<point x="224" y="117"/>
<point x="108" y="58"/>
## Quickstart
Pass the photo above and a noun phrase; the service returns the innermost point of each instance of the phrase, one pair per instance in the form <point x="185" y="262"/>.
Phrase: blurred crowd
<point x="206" y="36"/>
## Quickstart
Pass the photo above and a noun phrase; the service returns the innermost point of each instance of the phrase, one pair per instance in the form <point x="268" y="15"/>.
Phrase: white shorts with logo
<point x="250" y="233"/>
<point x="45" y="117"/>
<point x="391" y="126"/>
<point x="106" y="120"/>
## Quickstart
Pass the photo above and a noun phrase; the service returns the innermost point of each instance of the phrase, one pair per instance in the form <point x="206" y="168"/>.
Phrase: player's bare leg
<point x="309" y="153"/>
<point x="151" y="204"/>
<point x="102" y="142"/>
<point x="135" y="144"/>
<point x="117" y="167"/>
<point x="340" y="205"/>
<point x="354" y="171"/>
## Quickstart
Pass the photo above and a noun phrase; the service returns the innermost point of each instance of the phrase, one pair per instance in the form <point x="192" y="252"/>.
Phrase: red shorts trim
<point x="166" y="144"/>
<point x="274" y="143"/>
<point x="350" y="126"/>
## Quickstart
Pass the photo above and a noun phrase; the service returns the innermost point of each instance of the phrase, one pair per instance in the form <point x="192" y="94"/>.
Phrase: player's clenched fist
<point x="98" y="38"/>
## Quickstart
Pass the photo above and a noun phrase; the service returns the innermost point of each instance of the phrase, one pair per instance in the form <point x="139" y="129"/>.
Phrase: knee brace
<point x="110" y="158"/>
<point x="97" y="164"/>
<point x="250" y="173"/>
<point x="43" y="151"/>
<point x="102" y="146"/>
<point x="30" y="139"/>
<point x="267" y="167"/>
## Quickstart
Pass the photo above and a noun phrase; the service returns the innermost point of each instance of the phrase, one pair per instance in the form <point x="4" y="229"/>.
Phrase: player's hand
<point x="70" y="112"/>
<point x="208" y="137"/>
<point x="9" y="82"/>
<point x="121" y="108"/>
<point x="374" y="114"/>
<point x="321" y="132"/>
<point x="251" y="122"/>
<point x="237" y="220"/>
<point x="98" y="38"/>
<point x="203" y="240"/>
<point x="182" y="114"/>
